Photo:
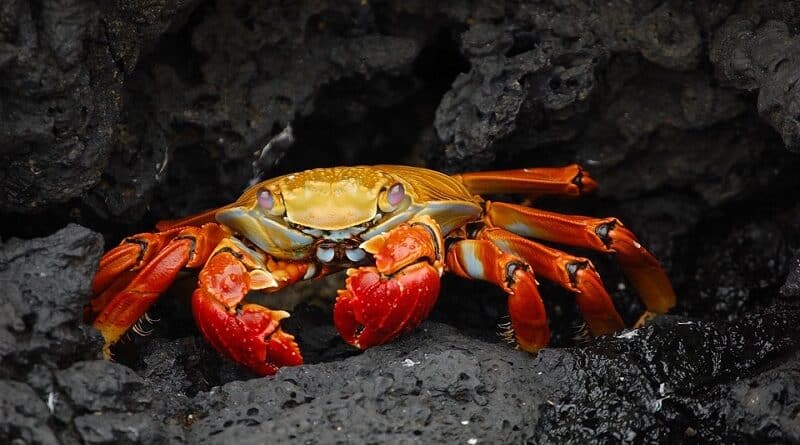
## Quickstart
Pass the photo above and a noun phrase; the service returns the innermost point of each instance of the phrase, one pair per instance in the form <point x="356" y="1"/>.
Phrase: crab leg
<point x="131" y="254"/>
<point x="482" y="260"/>
<point x="600" y="234"/>
<point x="131" y="278"/>
<point x="575" y="274"/>
<point x="382" y="302"/>
<point x="571" y="180"/>
<point x="248" y="334"/>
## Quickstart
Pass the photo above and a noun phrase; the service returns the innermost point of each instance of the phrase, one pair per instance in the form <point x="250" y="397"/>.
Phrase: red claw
<point x="375" y="309"/>
<point x="383" y="302"/>
<point x="251" y="334"/>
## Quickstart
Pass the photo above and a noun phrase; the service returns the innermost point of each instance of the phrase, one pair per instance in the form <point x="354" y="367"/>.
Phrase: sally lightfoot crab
<point x="395" y="229"/>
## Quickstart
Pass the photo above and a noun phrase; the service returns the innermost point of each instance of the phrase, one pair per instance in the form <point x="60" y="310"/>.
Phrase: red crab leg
<point x="571" y="180"/>
<point x="575" y="274"/>
<point x="248" y="334"/>
<point x="131" y="254"/>
<point x="157" y="259"/>
<point x="393" y="297"/>
<point x="482" y="260"/>
<point x="600" y="234"/>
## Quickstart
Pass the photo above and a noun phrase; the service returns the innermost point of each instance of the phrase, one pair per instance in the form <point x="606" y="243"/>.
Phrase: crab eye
<point x="396" y="194"/>
<point x="265" y="199"/>
<point x="392" y="197"/>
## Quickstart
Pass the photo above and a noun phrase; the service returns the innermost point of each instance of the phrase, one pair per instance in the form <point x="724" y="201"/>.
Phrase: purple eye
<point x="265" y="199"/>
<point x="396" y="194"/>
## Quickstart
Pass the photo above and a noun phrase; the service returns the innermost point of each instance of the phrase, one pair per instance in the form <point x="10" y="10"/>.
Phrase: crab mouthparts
<point x="343" y="253"/>
<point x="339" y="247"/>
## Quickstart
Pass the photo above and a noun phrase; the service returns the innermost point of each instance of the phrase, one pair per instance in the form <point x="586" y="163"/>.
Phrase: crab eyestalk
<point x="382" y="302"/>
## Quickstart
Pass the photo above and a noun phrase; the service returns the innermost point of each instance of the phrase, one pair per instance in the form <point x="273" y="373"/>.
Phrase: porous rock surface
<point x="117" y="114"/>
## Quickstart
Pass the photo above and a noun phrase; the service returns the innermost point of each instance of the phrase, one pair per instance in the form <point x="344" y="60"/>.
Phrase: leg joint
<point x="603" y="231"/>
<point x="575" y="266"/>
<point x="511" y="269"/>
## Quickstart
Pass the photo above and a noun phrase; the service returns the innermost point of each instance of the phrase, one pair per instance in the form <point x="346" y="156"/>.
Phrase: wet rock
<point x="763" y="408"/>
<point x="101" y="385"/>
<point x="46" y="283"/>
<point x="23" y="415"/>
<point x="126" y="428"/>
<point x="753" y="53"/>
<point x="439" y="385"/>
<point x="791" y="288"/>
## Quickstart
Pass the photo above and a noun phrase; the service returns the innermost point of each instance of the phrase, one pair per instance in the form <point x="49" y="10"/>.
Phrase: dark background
<point x="116" y="114"/>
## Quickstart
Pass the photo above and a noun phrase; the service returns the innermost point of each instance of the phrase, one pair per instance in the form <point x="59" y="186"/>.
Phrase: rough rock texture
<point x="44" y="291"/>
<point x="117" y="114"/>
<point x="62" y="67"/>
<point x="753" y="52"/>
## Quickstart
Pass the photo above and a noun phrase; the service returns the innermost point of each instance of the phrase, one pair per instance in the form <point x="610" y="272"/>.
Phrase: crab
<point x="396" y="230"/>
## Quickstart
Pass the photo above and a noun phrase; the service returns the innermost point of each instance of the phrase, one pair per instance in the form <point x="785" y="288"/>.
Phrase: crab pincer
<point x="382" y="302"/>
<point x="249" y="334"/>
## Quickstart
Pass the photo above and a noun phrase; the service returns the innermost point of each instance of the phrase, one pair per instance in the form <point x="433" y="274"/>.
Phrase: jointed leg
<point x="600" y="234"/>
<point x="572" y="273"/>
<point x="135" y="273"/>
<point x="571" y="180"/>
<point x="481" y="259"/>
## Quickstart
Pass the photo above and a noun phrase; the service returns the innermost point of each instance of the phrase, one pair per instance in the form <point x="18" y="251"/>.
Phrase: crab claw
<point x="380" y="303"/>
<point x="375" y="309"/>
<point x="249" y="334"/>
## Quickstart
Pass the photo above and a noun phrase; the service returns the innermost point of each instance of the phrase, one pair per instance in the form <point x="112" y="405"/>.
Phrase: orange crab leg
<point x="575" y="274"/>
<point x="571" y="180"/>
<point x="249" y="334"/>
<point x="123" y="303"/>
<point x="131" y="254"/>
<point x="600" y="234"/>
<point x="382" y="302"/>
<point x="482" y="260"/>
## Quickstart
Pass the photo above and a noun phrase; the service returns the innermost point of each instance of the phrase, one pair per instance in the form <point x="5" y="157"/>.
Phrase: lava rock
<point x="438" y="385"/>
<point x="101" y="385"/>
<point x="791" y="288"/>
<point x="286" y="59"/>
<point x="23" y="415"/>
<point x="62" y="91"/>
<point x="46" y="283"/>
<point x="752" y="53"/>
<point x="126" y="428"/>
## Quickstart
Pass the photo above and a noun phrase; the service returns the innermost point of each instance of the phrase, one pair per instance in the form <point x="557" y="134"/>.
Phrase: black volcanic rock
<point x="44" y="291"/>
<point x="62" y="67"/>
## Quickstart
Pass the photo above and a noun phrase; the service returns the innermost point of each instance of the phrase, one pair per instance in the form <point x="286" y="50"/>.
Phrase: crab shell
<point x="337" y="204"/>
